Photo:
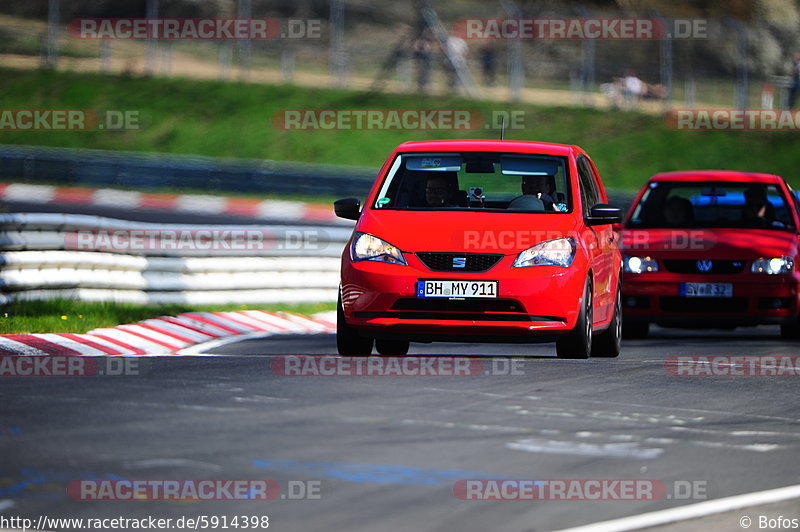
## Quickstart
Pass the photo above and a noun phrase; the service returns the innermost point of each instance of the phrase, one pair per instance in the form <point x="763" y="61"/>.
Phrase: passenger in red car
<point x="534" y="187"/>
<point x="678" y="212"/>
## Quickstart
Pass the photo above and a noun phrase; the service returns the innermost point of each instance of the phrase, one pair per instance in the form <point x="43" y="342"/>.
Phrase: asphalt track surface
<point x="386" y="451"/>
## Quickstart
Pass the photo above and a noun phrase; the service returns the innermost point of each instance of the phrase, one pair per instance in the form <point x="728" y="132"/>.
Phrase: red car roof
<point x="717" y="175"/>
<point x="513" y="146"/>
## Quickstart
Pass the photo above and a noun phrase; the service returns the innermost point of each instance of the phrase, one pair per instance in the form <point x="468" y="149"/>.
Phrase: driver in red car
<point x="757" y="211"/>
<point x="441" y="190"/>
<point x="437" y="191"/>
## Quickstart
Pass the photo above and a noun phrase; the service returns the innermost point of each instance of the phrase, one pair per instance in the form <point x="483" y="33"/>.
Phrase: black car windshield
<point x="507" y="182"/>
<point x="712" y="204"/>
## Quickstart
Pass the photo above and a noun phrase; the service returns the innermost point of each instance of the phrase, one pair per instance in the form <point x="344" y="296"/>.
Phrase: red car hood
<point x="471" y="232"/>
<point x="709" y="243"/>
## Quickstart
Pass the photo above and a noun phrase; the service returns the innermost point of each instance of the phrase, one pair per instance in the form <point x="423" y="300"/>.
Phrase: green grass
<point x="234" y="119"/>
<point x="79" y="317"/>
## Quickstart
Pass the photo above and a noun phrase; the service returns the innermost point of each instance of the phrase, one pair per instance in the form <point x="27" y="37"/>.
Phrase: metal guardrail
<point x="100" y="259"/>
<point x="46" y="256"/>
<point x="100" y="168"/>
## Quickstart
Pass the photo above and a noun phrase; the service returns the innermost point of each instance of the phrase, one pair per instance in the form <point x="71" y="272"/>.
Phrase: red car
<point x="482" y="241"/>
<point x="712" y="249"/>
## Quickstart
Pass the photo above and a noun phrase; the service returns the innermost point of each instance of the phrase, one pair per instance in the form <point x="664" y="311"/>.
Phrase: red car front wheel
<point x="578" y="342"/>
<point x="348" y="341"/>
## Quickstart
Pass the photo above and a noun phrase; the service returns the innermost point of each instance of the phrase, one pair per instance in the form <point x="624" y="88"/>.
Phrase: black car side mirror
<point x="348" y="208"/>
<point x="604" y="214"/>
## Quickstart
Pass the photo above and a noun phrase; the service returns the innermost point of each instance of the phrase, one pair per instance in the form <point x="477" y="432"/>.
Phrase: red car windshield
<point x="507" y="182"/>
<point x="712" y="204"/>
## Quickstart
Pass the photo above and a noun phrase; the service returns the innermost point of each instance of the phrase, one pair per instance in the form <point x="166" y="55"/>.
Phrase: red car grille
<point x="710" y="266"/>
<point x="473" y="262"/>
<point x="701" y="305"/>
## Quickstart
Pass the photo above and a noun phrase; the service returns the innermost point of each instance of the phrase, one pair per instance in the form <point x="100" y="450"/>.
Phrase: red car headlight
<point x="640" y="264"/>
<point x="772" y="265"/>
<point x="558" y="252"/>
<point x="369" y="247"/>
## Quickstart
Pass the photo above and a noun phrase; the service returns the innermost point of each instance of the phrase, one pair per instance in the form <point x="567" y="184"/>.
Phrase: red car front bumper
<point x="756" y="299"/>
<point x="534" y="303"/>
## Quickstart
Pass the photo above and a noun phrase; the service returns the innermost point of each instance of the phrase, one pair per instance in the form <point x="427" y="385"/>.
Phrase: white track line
<point x="691" y="511"/>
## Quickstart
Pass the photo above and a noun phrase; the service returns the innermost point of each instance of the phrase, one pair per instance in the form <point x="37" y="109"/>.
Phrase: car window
<point x="713" y="204"/>
<point x="589" y="194"/>
<point x="795" y="195"/>
<point x="486" y="181"/>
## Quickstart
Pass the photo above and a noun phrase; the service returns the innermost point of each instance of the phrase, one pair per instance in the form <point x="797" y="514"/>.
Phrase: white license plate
<point x="706" y="290"/>
<point x="471" y="289"/>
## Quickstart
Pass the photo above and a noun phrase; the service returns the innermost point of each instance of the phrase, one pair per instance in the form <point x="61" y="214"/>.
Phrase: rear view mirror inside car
<point x="479" y="167"/>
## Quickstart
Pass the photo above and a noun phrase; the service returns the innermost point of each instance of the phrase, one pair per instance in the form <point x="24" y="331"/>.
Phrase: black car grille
<point x="702" y="266"/>
<point x="473" y="305"/>
<point x="446" y="309"/>
<point x="473" y="262"/>
<point x="700" y="305"/>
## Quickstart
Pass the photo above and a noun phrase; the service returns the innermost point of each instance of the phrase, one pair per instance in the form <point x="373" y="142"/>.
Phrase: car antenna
<point x="503" y="129"/>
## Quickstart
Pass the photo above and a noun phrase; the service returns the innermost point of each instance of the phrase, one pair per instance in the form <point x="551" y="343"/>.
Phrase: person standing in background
<point x="795" y="88"/>
<point x="423" y="51"/>
<point x="456" y="50"/>
<point x="488" y="56"/>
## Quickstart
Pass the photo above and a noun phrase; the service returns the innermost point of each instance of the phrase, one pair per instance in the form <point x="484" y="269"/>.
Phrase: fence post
<point x="52" y="33"/>
<point x="741" y="90"/>
<point x="166" y="58"/>
<point x="690" y="93"/>
<point x="245" y="45"/>
<point x="588" y="62"/>
<point x="287" y="63"/>
<point x="666" y="62"/>
<point x="105" y="55"/>
<point x="516" y="74"/>
<point x="151" y="44"/>
<point x="336" y="56"/>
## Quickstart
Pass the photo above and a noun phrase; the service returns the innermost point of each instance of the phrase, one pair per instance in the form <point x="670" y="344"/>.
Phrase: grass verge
<point x="235" y="119"/>
<point x="66" y="316"/>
